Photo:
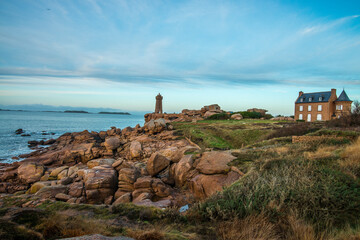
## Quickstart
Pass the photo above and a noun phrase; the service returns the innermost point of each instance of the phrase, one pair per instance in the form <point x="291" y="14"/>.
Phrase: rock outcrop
<point x="148" y="166"/>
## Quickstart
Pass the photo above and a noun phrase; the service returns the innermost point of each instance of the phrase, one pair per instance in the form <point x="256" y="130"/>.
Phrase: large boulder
<point x="37" y="186"/>
<point x="135" y="149"/>
<point x="215" y="162"/>
<point x="51" y="191"/>
<point x="236" y="116"/>
<point x="209" y="113"/>
<point x="100" y="183"/>
<point x="101" y="161"/>
<point x="30" y="172"/>
<point x="100" y="177"/>
<point x="155" y="126"/>
<point x="129" y="175"/>
<point x="182" y="169"/>
<point x="203" y="186"/>
<point x="143" y="182"/>
<point x="76" y="189"/>
<point x="125" y="198"/>
<point x="156" y="163"/>
<point x="172" y="153"/>
<point x="55" y="172"/>
<point x="112" y="143"/>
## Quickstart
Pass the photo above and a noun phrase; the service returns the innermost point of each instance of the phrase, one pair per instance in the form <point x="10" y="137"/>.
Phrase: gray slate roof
<point x="315" y="97"/>
<point x="343" y="97"/>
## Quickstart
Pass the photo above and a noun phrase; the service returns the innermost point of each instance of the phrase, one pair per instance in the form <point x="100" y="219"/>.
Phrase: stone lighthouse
<point x="158" y="105"/>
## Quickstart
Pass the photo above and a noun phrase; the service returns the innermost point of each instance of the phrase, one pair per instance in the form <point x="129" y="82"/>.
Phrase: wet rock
<point x="19" y="131"/>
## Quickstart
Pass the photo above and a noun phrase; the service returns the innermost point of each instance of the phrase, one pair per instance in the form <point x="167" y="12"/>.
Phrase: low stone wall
<point x="296" y="139"/>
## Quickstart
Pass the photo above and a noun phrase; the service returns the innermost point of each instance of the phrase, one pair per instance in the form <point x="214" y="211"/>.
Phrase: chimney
<point x="301" y="93"/>
<point x="333" y="92"/>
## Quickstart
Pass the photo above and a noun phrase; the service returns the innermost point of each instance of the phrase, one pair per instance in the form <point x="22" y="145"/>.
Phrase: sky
<point x="121" y="54"/>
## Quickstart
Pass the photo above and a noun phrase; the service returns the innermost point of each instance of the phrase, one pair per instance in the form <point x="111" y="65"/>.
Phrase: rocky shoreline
<point x="148" y="166"/>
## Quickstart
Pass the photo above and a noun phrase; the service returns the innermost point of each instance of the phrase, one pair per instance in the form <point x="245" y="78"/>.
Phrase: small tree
<point x="356" y="108"/>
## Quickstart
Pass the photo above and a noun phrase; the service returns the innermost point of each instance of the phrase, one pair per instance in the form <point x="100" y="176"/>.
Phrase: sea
<point x="47" y="125"/>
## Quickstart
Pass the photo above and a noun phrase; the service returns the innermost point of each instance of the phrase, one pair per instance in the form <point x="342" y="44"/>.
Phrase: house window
<point x="309" y="108"/>
<point x="339" y="107"/>
<point x="301" y="99"/>
<point x="301" y="108"/>
<point x="310" y="99"/>
<point x="318" y="117"/>
<point x="319" y="108"/>
<point x="320" y="98"/>
<point x="309" y="118"/>
<point x="300" y="116"/>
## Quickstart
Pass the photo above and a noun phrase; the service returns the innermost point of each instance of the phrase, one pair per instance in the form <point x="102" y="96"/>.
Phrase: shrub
<point x="250" y="114"/>
<point x="219" y="116"/>
<point x="268" y="116"/>
<point x="297" y="129"/>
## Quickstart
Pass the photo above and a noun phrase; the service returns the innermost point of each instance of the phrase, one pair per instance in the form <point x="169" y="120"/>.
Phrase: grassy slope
<point x="225" y="134"/>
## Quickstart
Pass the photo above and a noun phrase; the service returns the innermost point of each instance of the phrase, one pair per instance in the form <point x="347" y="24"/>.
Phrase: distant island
<point x="121" y="113"/>
<point x="74" y="111"/>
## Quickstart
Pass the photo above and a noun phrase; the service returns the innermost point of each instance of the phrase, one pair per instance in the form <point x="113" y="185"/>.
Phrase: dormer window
<point x="320" y="98"/>
<point x="301" y="99"/>
<point x="310" y="99"/>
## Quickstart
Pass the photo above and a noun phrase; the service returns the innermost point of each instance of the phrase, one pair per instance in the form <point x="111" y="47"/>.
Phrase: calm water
<point x="34" y="123"/>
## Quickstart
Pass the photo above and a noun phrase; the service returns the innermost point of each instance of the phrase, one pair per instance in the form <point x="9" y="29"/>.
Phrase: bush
<point x="219" y="116"/>
<point x="250" y="114"/>
<point x="297" y="129"/>
<point x="268" y="116"/>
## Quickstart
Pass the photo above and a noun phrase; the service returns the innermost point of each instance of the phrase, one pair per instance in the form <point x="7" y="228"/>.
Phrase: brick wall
<point x="325" y="112"/>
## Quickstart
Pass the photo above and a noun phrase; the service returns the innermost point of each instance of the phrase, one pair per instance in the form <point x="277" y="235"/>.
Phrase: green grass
<point x="225" y="134"/>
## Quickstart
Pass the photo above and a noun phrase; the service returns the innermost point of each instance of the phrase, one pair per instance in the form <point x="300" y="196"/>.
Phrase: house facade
<point x="321" y="106"/>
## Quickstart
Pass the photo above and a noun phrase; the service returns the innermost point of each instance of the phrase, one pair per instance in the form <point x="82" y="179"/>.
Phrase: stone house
<point x="321" y="106"/>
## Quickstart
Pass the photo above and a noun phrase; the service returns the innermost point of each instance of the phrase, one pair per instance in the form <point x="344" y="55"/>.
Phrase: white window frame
<point x="320" y="108"/>
<point x="319" y="117"/>
<point x="309" y="117"/>
<point x="301" y="108"/>
<point x="301" y="99"/>
<point x="300" y="116"/>
<point x="320" y="98"/>
<point x="310" y="99"/>
<point x="309" y="108"/>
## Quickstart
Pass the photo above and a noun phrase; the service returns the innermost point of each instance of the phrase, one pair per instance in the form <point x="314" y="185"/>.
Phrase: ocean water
<point x="57" y="123"/>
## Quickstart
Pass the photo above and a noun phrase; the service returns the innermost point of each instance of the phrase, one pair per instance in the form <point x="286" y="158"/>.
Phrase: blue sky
<point x="120" y="54"/>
